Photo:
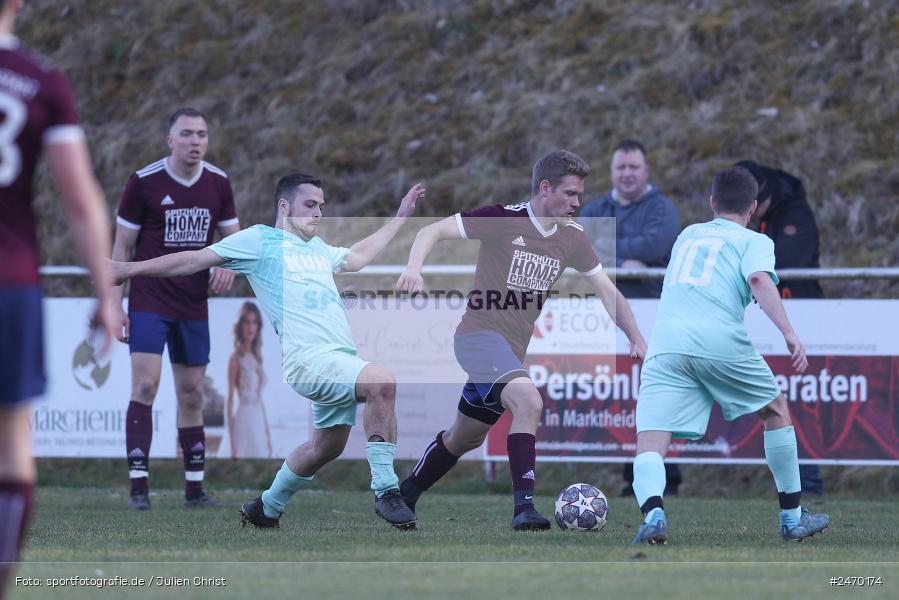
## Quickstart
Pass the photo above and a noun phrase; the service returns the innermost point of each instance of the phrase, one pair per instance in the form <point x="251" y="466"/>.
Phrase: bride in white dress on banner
<point x="248" y="425"/>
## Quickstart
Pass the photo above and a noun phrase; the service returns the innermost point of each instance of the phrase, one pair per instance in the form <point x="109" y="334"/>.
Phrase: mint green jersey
<point x="706" y="291"/>
<point x="294" y="281"/>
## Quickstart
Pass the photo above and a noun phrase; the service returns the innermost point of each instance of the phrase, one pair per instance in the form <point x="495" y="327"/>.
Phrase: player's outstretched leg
<point x="523" y="400"/>
<point x="649" y="486"/>
<point x="377" y="388"/>
<point x="782" y="456"/>
<point x="436" y="462"/>
<point x="296" y="472"/>
<point x="467" y="433"/>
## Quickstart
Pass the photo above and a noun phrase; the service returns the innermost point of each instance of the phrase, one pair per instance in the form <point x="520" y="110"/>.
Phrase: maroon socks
<point x="434" y="464"/>
<point x="522" y="461"/>
<point x="193" y="448"/>
<point x="138" y="435"/>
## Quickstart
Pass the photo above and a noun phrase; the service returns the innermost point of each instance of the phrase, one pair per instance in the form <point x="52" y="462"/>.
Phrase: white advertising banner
<point x="83" y="412"/>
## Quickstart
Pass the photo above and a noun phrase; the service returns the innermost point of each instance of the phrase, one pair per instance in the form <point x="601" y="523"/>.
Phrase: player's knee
<point x="468" y="444"/>
<point x="144" y="390"/>
<point x="190" y="398"/>
<point x="524" y="402"/>
<point x="381" y="390"/>
<point x="776" y="410"/>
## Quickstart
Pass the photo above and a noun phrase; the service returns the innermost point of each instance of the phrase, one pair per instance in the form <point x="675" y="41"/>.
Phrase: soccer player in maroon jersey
<point x="176" y="203"/>
<point x="38" y="114"/>
<point x="524" y="249"/>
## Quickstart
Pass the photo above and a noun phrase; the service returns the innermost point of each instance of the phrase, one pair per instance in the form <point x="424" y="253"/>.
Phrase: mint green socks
<point x="649" y="479"/>
<point x="782" y="456"/>
<point x="380" y="458"/>
<point x="276" y="498"/>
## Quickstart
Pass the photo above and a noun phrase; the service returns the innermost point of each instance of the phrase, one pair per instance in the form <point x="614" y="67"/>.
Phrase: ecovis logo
<point x="590" y="320"/>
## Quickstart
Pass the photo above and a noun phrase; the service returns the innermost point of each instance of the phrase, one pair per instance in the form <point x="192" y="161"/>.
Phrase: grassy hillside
<point x="465" y="95"/>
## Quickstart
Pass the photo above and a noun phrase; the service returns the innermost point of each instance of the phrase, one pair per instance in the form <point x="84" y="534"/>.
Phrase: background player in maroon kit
<point x="173" y="204"/>
<point x="524" y="249"/>
<point x="38" y="113"/>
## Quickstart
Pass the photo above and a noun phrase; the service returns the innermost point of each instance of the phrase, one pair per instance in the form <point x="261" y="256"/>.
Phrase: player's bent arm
<point x="364" y="251"/>
<point x="427" y="237"/>
<point x="619" y="308"/>
<point x="85" y="207"/>
<point x="410" y="279"/>
<point x="169" y="265"/>
<point x="765" y="292"/>
<point x="221" y="280"/>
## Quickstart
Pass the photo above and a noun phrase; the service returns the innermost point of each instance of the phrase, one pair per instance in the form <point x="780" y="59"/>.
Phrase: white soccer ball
<point x="582" y="507"/>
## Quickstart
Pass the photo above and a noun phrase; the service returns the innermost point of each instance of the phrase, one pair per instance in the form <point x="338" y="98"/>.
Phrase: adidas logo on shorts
<point x="529" y="475"/>
<point x="519" y="241"/>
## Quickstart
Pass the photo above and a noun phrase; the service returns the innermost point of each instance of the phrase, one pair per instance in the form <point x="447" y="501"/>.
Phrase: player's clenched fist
<point x="410" y="282"/>
<point x="638" y="349"/>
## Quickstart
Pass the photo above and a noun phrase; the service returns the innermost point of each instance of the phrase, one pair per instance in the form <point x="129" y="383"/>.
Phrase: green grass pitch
<point x="331" y="545"/>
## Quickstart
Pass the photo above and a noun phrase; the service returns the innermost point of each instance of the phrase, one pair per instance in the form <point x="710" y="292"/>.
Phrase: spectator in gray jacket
<point x="646" y="222"/>
<point x="641" y="235"/>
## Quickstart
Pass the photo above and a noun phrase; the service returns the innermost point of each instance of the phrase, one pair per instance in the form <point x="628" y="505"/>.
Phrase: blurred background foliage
<point x="374" y="95"/>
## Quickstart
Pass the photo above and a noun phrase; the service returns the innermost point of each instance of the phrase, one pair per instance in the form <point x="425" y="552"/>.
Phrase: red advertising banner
<point x="845" y="410"/>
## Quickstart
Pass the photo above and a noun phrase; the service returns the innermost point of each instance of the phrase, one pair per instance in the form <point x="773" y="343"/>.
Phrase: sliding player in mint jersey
<point x="700" y="353"/>
<point x="37" y="116"/>
<point x="524" y="250"/>
<point x="292" y="272"/>
<point x="177" y="203"/>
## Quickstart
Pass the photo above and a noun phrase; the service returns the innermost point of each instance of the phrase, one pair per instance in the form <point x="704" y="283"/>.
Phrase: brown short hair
<point x="555" y="166"/>
<point x="185" y="112"/>
<point x="734" y="190"/>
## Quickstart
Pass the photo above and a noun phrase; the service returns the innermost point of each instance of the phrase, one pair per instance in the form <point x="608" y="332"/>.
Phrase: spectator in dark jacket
<point x="640" y="234"/>
<point x="646" y="222"/>
<point x="785" y="216"/>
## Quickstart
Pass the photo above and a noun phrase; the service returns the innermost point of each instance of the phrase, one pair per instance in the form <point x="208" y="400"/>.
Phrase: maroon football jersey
<point x="37" y="107"/>
<point x="172" y="215"/>
<point x="518" y="263"/>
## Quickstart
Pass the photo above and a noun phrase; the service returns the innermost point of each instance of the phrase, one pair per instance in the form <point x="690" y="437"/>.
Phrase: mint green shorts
<point x="677" y="392"/>
<point x="329" y="381"/>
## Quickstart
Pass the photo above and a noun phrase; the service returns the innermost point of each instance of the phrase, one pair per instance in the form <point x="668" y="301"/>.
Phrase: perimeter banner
<point x="845" y="407"/>
<point x="249" y="411"/>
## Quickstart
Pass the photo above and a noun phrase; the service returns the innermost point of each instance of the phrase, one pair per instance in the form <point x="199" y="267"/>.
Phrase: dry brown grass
<point x="465" y="95"/>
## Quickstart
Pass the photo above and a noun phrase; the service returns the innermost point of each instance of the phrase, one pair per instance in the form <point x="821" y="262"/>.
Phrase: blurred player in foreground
<point x="38" y="113"/>
<point x="292" y="272"/>
<point x="700" y="353"/>
<point x="525" y="248"/>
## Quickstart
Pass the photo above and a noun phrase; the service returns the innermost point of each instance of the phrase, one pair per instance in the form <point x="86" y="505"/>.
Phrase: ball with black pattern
<point x="582" y="507"/>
